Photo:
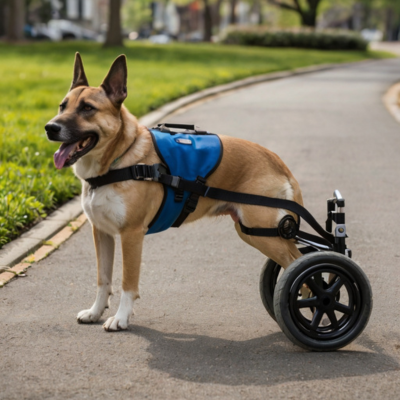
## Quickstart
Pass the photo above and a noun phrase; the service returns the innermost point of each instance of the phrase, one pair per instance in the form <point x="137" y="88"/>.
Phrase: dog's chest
<point x="105" y="209"/>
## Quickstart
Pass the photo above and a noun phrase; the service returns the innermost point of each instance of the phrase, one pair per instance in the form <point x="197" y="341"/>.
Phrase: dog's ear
<point x="79" y="73"/>
<point x="114" y="83"/>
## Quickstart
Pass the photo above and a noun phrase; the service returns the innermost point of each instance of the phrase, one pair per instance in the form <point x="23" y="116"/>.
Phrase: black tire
<point x="268" y="278"/>
<point x="346" y="283"/>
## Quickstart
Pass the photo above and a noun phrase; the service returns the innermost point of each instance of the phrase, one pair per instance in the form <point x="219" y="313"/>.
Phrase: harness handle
<point x="189" y="127"/>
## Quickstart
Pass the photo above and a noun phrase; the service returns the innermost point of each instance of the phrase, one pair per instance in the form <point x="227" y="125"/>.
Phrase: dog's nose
<point x="52" y="128"/>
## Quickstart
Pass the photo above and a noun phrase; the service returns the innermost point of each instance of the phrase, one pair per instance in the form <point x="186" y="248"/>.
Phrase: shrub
<point x="304" y="38"/>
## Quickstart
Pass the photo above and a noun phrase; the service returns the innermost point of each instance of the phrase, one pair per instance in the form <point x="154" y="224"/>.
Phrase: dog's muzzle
<point x="52" y="130"/>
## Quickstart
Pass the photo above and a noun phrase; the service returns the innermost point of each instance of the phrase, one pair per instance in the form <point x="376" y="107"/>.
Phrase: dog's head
<point x="88" y="117"/>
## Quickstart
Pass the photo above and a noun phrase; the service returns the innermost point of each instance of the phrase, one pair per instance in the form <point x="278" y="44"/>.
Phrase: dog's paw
<point x="88" y="316"/>
<point x="114" y="324"/>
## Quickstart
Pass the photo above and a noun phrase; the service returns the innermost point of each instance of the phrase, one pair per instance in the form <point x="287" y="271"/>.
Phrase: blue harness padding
<point x="187" y="155"/>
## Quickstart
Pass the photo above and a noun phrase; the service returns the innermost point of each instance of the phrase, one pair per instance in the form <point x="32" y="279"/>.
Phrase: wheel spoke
<point x="333" y="319"/>
<point x="336" y="286"/>
<point x="315" y="288"/>
<point x="316" y="318"/>
<point x="311" y="302"/>
<point x="343" y="308"/>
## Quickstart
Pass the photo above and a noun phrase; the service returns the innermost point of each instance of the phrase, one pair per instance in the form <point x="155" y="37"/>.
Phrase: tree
<point x="208" y="22"/>
<point x="232" y="12"/>
<point x="114" y="31"/>
<point x="307" y="14"/>
<point x="15" y="20"/>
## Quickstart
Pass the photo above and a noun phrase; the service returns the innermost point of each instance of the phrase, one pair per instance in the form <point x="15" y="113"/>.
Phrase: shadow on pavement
<point x="270" y="359"/>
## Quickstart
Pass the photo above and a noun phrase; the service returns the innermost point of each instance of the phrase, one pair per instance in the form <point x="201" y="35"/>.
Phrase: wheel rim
<point x="333" y="305"/>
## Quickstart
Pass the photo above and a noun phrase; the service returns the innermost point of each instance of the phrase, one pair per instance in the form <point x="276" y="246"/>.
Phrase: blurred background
<point x="174" y="48"/>
<point x="163" y="21"/>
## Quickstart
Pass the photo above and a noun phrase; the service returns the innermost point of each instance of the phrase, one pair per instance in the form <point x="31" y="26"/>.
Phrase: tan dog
<point x="98" y="134"/>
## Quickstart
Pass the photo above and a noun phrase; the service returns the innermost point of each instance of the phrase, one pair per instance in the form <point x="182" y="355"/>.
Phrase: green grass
<point x="35" y="77"/>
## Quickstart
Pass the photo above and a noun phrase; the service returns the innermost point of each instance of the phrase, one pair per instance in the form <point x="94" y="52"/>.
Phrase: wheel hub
<point x="324" y="300"/>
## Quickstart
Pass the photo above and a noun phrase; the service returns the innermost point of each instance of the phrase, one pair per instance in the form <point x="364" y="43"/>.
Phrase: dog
<point x="98" y="133"/>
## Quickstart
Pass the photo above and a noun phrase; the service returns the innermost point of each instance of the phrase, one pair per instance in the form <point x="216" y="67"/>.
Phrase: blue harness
<point x="188" y="159"/>
<point x="190" y="156"/>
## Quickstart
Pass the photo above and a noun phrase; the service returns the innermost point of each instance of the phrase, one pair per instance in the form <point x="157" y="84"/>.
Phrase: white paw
<point x="114" y="324"/>
<point x="88" y="316"/>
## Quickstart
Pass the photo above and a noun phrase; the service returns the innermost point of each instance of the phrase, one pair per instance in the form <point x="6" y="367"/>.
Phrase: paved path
<point x="200" y="330"/>
<point x="391" y="47"/>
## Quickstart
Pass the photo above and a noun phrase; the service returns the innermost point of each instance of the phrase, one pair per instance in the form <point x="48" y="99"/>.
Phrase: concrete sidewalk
<point x="200" y="328"/>
<point x="391" y="47"/>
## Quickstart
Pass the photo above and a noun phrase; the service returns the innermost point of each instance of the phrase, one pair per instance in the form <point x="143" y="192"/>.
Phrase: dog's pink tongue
<point x="61" y="155"/>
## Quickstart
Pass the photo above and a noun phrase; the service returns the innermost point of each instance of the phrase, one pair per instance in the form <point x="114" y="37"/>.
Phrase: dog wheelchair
<point x="324" y="281"/>
<point x="323" y="300"/>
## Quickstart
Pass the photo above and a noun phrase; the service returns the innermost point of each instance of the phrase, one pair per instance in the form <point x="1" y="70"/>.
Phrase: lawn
<point x="35" y="77"/>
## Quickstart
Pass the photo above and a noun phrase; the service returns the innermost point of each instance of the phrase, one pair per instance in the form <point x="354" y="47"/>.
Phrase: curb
<point x="42" y="252"/>
<point x="14" y="259"/>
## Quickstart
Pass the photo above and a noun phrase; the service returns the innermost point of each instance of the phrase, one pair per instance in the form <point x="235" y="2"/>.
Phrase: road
<point x="200" y="329"/>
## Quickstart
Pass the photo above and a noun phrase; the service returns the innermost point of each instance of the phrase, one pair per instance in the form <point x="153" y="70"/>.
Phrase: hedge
<point x="312" y="39"/>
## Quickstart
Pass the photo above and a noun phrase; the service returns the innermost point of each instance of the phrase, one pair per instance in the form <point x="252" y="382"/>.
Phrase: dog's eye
<point x="62" y="106"/>
<point x="87" y="107"/>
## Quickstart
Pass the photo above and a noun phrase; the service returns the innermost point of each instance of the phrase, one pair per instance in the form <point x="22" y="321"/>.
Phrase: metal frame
<point x="335" y="211"/>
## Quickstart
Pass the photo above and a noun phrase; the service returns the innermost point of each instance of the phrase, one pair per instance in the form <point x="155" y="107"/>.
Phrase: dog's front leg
<point x="132" y="243"/>
<point x="105" y="246"/>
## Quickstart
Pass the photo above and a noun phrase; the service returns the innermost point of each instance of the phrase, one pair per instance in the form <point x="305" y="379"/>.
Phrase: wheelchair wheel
<point x="323" y="301"/>
<point x="270" y="273"/>
<point x="268" y="278"/>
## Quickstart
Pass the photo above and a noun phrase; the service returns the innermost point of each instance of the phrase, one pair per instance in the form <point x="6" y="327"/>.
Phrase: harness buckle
<point x="157" y="171"/>
<point x="179" y="195"/>
<point x="191" y="204"/>
<point x="139" y="171"/>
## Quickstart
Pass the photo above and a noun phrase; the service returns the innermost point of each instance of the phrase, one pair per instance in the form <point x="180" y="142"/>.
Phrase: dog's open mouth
<point x="70" y="153"/>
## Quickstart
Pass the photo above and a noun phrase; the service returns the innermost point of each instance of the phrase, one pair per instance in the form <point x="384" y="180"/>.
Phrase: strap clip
<point x="142" y="172"/>
<point x="158" y="170"/>
<point x="179" y="195"/>
<point x="193" y="199"/>
<point x="191" y="204"/>
<point x="147" y="172"/>
<point x="175" y="181"/>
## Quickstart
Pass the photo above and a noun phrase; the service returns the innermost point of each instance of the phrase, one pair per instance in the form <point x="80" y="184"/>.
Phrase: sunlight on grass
<point x="36" y="77"/>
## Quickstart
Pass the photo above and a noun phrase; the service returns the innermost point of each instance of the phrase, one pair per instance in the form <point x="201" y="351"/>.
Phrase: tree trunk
<point x="16" y="20"/>
<point x="309" y="18"/>
<point x="114" y="34"/>
<point x="217" y="14"/>
<point x="389" y="31"/>
<point x="257" y="10"/>
<point x="207" y="20"/>
<point x="232" y="14"/>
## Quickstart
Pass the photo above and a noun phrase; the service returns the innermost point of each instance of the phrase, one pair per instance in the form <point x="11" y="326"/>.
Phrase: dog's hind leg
<point x="282" y="251"/>
<point x="132" y="243"/>
<point x="105" y="245"/>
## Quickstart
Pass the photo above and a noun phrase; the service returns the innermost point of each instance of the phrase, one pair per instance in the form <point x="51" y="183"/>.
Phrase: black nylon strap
<point x="157" y="173"/>
<point x="190" y="205"/>
<point x="255" y="200"/>
<point x="138" y="172"/>
<point x="180" y="183"/>
<point x="267" y="232"/>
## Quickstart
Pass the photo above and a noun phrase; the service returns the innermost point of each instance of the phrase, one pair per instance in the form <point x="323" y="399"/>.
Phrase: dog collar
<point x="119" y="158"/>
